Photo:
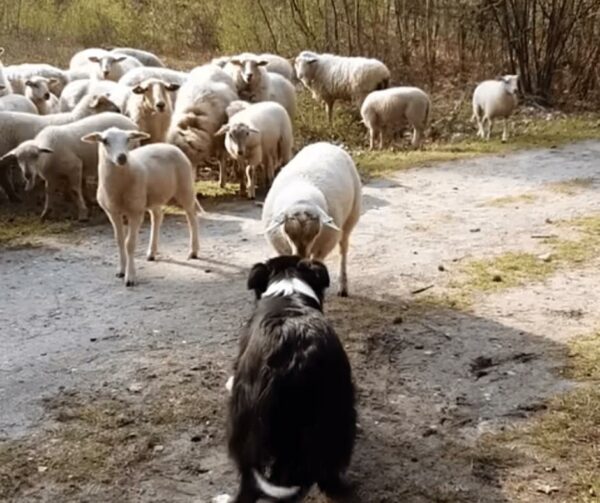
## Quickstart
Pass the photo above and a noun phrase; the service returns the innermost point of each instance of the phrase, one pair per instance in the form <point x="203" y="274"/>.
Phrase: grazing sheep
<point x="145" y="179"/>
<point x="313" y="205"/>
<point x="393" y="108"/>
<point x="149" y="106"/>
<point x="331" y="78"/>
<point x="58" y="152"/>
<point x="37" y="89"/>
<point x="75" y="91"/>
<point x="138" y="75"/>
<point x="5" y="87"/>
<point x="198" y="115"/>
<point x="144" y="57"/>
<point x="19" y="74"/>
<point x="17" y="103"/>
<point x="16" y="128"/>
<point x="495" y="99"/>
<point x="258" y="135"/>
<point x="280" y="65"/>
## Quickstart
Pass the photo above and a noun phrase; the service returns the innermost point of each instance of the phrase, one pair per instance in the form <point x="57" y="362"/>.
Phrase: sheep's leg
<point x="156" y="218"/>
<point x="251" y="176"/>
<point x="381" y="139"/>
<point x="222" y="173"/>
<point x="241" y="177"/>
<point x="488" y="131"/>
<point x="371" y="138"/>
<point x="343" y="289"/>
<point x="49" y="202"/>
<point x="134" y="224"/>
<point x="117" y="222"/>
<point x="192" y="219"/>
<point x="505" y="131"/>
<point x="329" y="110"/>
<point x="76" y="183"/>
<point x="417" y="137"/>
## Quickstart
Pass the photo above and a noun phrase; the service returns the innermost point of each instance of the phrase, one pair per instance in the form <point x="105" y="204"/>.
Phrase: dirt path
<point x="111" y="394"/>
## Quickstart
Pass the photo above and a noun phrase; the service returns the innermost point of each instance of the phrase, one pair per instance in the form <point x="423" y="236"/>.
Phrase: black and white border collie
<point x="292" y="418"/>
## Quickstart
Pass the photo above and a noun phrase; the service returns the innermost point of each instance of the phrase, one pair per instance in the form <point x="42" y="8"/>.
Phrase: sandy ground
<point x="115" y="394"/>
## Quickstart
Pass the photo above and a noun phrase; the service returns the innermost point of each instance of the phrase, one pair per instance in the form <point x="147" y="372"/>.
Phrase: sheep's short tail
<point x="274" y="491"/>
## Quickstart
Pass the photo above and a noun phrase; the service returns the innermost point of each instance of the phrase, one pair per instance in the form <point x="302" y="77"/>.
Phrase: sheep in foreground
<point x="331" y="78"/>
<point x="138" y="75"/>
<point x="75" y="91"/>
<point x="37" y="89"/>
<point x="393" y="108"/>
<point x="131" y="182"/>
<point x="144" y="57"/>
<point x="198" y="115"/>
<point x="494" y="99"/>
<point x="5" y="87"/>
<point x="19" y="74"/>
<point x="258" y="135"/>
<point x="57" y="153"/>
<point x="17" y="103"/>
<point x="314" y="204"/>
<point x="149" y="106"/>
<point x="16" y="128"/>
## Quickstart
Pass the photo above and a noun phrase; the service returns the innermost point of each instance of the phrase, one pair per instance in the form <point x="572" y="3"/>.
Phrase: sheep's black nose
<point x="47" y="96"/>
<point x="249" y="77"/>
<point x="121" y="159"/>
<point x="160" y="106"/>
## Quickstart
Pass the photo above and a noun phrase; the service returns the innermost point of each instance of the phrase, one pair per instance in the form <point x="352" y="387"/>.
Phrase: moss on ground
<point x="499" y="202"/>
<point x="26" y="230"/>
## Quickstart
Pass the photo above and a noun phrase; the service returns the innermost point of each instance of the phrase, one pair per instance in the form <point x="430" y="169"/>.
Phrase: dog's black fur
<point x="291" y="414"/>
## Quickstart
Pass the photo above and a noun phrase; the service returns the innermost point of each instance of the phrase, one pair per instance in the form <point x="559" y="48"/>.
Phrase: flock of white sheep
<point x="121" y="118"/>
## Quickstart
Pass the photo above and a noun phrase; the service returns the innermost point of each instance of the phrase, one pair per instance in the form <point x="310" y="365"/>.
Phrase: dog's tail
<point x="274" y="491"/>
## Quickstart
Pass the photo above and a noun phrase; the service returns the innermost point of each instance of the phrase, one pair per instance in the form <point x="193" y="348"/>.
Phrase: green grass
<point x="25" y="230"/>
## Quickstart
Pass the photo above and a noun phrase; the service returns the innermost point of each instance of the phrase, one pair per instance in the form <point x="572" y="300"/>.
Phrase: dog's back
<point x="292" y="420"/>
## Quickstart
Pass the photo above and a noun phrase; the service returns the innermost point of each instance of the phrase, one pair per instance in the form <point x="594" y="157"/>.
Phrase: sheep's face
<point x="249" y="68"/>
<point x="31" y="158"/>
<point x="239" y="139"/>
<point x="37" y="89"/>
<point x="156" y="94"/>
<point x="116" y="143"/>
<point x="101" y="103"/>
<point x="305" y="66"/>
<point x="302" y="226"/>
<point x="511" y="83"/>
<point x="104" y="64"/>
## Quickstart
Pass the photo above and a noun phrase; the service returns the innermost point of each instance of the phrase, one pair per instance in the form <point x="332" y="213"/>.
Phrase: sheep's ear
<point x="222" y="130"/>
<point x="138" y="89"/>
<point x="46" y="150"/>
<point x="94" y="59"/>
<point x="327" y="220"/>
<point x="236" y="62"/>
<point x="8" y="157"/>
<point x="29" y="83"/>
<point x="277" y="221"/>
<point x="172" y="87"/>
<point x="319" y="275"/>
<point x="310" y="61"/>
<point x="262" y="62"/>
<point x="258" y="279"/>
<point x="52" y="81"/>
<point x="138" y="135"/>
<point x="92" y="138"/>
<point x="252" y="130"/>
<point x="120" y="59"/>
<point x="1" y="51"/>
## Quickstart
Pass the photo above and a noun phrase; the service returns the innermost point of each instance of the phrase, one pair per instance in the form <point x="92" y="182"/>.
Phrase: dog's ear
<point x="319" y="276"/>
<point x="258" y="279"/>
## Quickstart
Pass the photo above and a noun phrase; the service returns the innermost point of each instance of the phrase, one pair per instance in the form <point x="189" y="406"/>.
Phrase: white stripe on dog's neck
<point x="290" y="286"/>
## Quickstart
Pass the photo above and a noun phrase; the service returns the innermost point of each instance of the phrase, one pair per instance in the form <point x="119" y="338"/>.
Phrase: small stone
<point x="476" y="229"/>
<point x="42" y="469"/>
<point x="497" y="278"/>
<point x="159" y="448"/>
<point x="136" y="387"/>
<point x="398" y="320"/>
<point x="546" y="257"/>
<point x="441" y="268"/>
<point x="93" y="339"/>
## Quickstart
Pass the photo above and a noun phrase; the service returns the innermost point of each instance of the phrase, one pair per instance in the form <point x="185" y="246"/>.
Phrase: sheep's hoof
<point x="504" y="140"/>
<point x="120" y="274"/>
<point x="129" y="283"/>
<point x="150" y="258"/>
<point x="343" y="292"/>
<point x="193" y="255"/>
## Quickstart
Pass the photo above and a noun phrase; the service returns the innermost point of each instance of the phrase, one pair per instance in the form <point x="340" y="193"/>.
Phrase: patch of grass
<point x="25" y="230"/>
<point x="570" y="187"/>
<point x="511" y="200"/>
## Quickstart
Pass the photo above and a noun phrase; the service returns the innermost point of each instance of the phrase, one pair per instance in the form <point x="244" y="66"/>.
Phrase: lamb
<point x="19" y="74"/>
<point x="331" y="78"/>
<point x="17" y="103"/>
<point x="314" y="203"/>
<point x="16" y="128"/>
<point x="392" y="108"/>
<point x="37" y="89"/>
<point x="144" y="57"/>
<point x="198" y="114"/>
<point x="57" y="153"/>
<point x="145" y="179"/>
<point x="76" y="90"/>
<point x="103" y="64"/>
<point x="138" y="75"/>
<point x="495" y="99"/>
<point x="5" y="86"/>
<point x="255" y="84"/>
<point x="149" y="106"/>
<point x="259" y="134"/>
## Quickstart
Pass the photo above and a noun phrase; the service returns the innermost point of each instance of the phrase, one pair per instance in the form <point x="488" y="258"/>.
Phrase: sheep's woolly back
<point x="17" y="103"/>
<point x="320" y="174"/>
<point x="492" y="99"/>
<point x="18" y="75"/>
<point x="395" y="106"/>
<point x="341" y="77"/>
<point x="212" y="73"/>
<point x="146" y="58"/>
<point x="136" y="76"/>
